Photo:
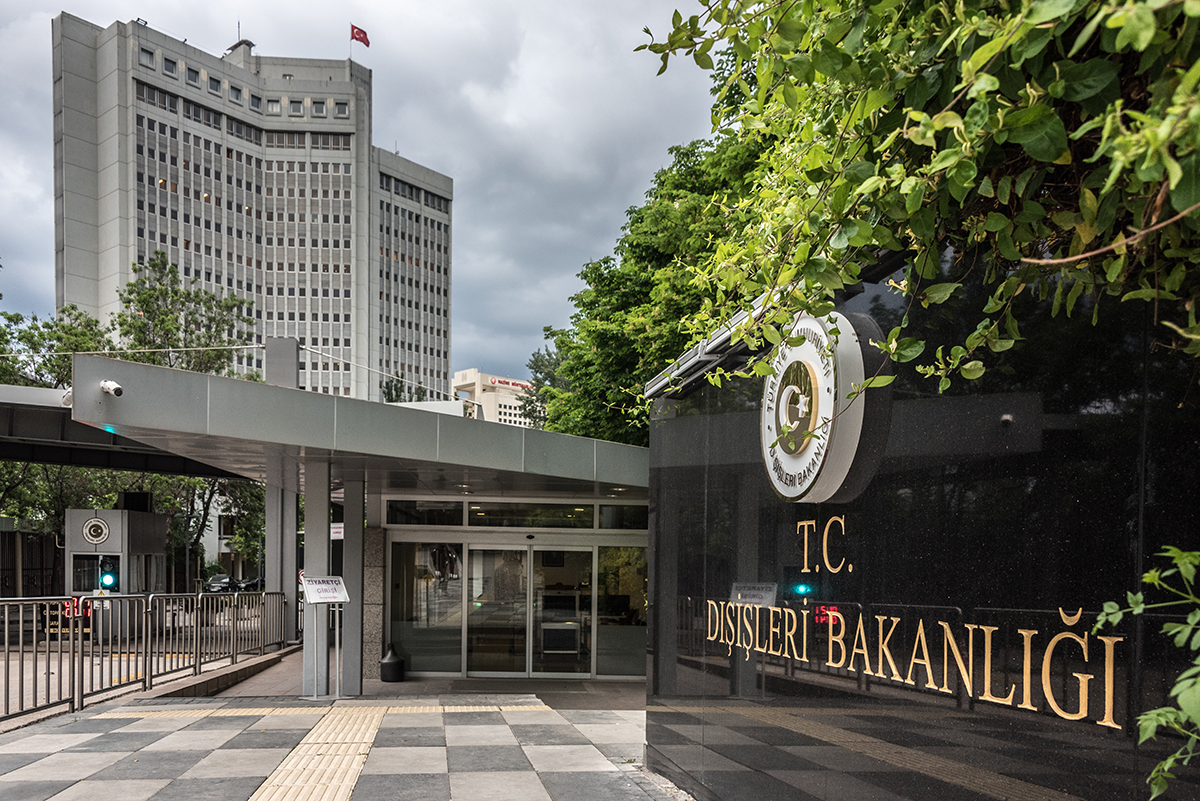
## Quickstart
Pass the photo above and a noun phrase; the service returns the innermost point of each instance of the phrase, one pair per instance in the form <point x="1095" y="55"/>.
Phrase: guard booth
<point x="118" y="551"/>
<point x="112" y="552"/>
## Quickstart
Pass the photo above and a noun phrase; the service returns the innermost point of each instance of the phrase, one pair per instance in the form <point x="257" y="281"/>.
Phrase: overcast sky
<point x="548" y="122"/>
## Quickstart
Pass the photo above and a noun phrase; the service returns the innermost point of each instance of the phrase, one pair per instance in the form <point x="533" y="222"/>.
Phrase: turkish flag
<point x="359" y="35"/>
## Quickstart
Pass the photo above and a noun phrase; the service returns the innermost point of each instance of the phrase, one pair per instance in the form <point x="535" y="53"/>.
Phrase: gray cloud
<point x="548" y="122"/>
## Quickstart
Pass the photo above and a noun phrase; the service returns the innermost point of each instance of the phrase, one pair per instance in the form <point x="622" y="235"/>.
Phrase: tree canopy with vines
<point x="1044" y="149"/>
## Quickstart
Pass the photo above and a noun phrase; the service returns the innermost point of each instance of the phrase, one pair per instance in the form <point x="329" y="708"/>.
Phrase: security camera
<point x="68" y="397"/>
<point x="112" y="388"/>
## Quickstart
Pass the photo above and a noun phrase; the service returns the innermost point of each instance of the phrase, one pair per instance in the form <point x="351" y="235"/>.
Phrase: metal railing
<point x="67" y="650"/>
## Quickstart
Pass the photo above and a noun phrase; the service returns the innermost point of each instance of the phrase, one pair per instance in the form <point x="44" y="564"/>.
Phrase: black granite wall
<point x="926" y="639"/>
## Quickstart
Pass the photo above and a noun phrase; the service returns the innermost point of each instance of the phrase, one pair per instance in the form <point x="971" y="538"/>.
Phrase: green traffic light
<point x="110" y="568"/>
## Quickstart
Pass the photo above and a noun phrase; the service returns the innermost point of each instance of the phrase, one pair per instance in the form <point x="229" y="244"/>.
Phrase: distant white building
<point x="494" y="398"/>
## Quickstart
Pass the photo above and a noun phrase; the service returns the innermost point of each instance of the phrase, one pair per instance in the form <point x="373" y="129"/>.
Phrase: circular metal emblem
<point x="809" y="429"/>
<point x="95" y="531"/>
<point x="797" y="407"/>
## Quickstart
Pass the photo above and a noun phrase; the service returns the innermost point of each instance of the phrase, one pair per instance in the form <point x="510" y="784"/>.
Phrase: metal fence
<point x="66" y="650"/>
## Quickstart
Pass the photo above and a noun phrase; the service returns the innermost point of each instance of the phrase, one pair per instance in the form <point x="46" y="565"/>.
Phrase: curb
<point x="214" y="681"/>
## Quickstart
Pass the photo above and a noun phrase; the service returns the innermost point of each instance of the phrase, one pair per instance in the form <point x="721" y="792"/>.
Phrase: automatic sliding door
<point x="497" y="610"/>
<point x="562" y="611"/>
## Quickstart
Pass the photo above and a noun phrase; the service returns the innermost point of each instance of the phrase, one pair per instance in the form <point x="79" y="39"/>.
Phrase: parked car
<point x="221" y="583"/>
<point x="252" y="585"/>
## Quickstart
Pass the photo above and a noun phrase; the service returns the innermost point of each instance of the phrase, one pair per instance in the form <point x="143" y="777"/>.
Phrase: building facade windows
<point x="181" y="163"/>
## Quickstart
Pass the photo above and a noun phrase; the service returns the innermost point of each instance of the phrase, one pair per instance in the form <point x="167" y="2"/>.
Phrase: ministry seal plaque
<point x="810" y="430"/>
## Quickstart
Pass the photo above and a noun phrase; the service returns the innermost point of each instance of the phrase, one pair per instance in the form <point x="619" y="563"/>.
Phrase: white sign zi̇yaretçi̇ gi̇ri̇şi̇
<point x="325" y="590"/>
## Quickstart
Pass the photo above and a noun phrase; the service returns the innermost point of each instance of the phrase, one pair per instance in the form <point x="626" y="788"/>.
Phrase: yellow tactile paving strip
<point x="978" y="780"/>
<point x="326" y="763"/>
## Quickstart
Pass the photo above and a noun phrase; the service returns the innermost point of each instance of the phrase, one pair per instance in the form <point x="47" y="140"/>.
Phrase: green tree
<point x="629" y="319"/>
<point x="544" y="374"/>
<point x="162" y="321"/>
<point x="246" y="502"/>
<point x="399" y="390"/>
<point x="50" y="344"/>
<point x="1057" y="138"/>
<point x="393" y="390"/>
<point x="41" y="494"/>
<point x="167" y="322"/>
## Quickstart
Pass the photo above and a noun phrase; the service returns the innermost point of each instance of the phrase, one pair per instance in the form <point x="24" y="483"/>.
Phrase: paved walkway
<point x="464" y="746"/>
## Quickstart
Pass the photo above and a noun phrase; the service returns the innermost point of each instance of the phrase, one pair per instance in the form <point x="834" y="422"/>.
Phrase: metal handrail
<point x="69" y="649"/>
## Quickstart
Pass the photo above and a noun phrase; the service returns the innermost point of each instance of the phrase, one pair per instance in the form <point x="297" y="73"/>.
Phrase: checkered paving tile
<point x="433" y="749"/>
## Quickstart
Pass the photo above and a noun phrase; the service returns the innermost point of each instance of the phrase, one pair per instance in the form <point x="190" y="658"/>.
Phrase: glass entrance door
<point x="529" y="610"/>
<point x="426" y="605"/>
<point x="497" y="610"/>
<point x="562" y="611"/>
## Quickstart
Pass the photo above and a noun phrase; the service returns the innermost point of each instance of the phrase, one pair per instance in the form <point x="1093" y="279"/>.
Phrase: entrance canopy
<point x="252" y="429"/>
<point x="36" y="427"/>
<point x="303" y="442"/>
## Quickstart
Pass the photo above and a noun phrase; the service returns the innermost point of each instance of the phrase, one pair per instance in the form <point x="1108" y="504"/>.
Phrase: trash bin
<point x="391" y="667"/>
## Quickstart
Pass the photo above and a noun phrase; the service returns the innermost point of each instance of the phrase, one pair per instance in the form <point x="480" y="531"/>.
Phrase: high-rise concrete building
<point x="257" y="177"/>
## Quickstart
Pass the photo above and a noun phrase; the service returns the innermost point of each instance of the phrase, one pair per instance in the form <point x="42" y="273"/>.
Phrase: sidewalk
<point x="443" y="740"/>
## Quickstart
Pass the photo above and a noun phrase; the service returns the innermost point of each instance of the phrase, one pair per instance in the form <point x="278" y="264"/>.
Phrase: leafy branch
<point x="1179" y="582"/>
<point x="1081" y="123"/>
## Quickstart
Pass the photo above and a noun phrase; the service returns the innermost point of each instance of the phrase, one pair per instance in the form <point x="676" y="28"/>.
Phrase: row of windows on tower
<point x="206" y="193"/>
<point x="303" y="317"/>
<point x="428" y="222"/>
<point x="320" y="142"/>
<point x="234" y="155"/>
<point x="436" y="332"/>
<point x="173" y="68"/>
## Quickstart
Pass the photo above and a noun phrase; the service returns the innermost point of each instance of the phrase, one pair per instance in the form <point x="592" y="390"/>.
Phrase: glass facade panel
<point x="562" y="611"/>
<point x="424" y="513"/>
<point x="627" y="517"/>
<point x="621" y="612"/>
<point x="426" y="605"/>
<point x="497" y="618"/>
<point x="86" y="568"/>
<point x="530" y="515"/>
